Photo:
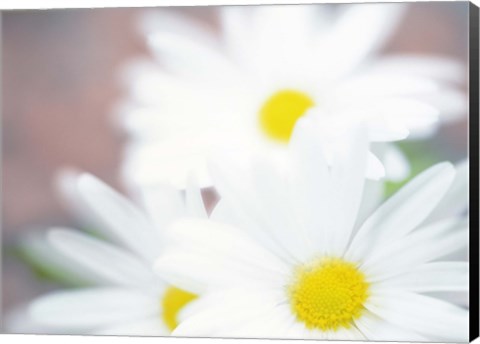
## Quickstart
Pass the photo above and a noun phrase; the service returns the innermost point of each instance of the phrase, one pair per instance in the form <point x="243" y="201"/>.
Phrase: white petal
<point x="460" y="299"/>
<point x="372" y="197"/>
<point x="211" y="255"/>
<point x="399" y="116"/>
<point x="163" y="203"/>
<point x="309" y="185"/>
<point x="170" y="161"/>
<point x="381" y="129"/>
<point x="36" y="247"/>
<point x="382" y="85"/>
<point x="377" y="329"/>
<point x="348" y="181"/>
<point x="121" y="217"/>
<point x="228" y="310"/>
<point x="455" y="201"/>
<point x="107" y="261"/>
<point x="348" y="45"/>
<point x="388" y="118"/>
<point x="397" y="167"/>
<point x="90" y="308"/>
<point x="278" y="322"/>
<point x="436" y="319"/>
<point x="384" y="124"/>
<point x="234" y="184"/>
<point x="224" y="212"/>
<point x="194" y="200"/>
<point x="403" y="211"/>
<point x="328" y="197"/>
<point x="271" y="193"/>
<point x="451" y="103"/>
<point x="435" y="67"/>
<point x="157" y="100"/>
<point x="237" y="33"/>
<point x="282" y="38"/>
<point x="232" y="296"/>
<point x="291" y="23"/>
<point x="345" y="334"/>
<point x="175" y="22"/>
<point x="149" y="327"/>
<point x="375" y="168"/>
<point x="144" y="81"/>
<point x="432" y="277"/>
<point x="190" y="59"/>
<point x="19" y="321"/>
<point x="425" y="244"/>
<point x="66" y="185"/>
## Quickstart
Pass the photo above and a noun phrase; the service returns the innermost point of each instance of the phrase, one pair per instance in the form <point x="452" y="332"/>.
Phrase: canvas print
<point x="268" y="171"/>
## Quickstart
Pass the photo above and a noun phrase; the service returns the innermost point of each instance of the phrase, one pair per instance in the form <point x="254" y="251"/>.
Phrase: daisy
<point x="127" y="298"/>
<point x="283" y="256"/>
<point x="271" y="66"/>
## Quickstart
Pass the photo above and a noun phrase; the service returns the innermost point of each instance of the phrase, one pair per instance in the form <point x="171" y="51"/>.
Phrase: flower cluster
<point x="290" y="114"/>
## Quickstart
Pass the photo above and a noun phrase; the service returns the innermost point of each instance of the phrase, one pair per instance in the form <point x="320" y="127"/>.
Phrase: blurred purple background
<point x="60" y="85"/>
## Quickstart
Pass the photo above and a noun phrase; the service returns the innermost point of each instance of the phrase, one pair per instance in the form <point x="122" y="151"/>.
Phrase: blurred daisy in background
<point x="247" y="86"/>
<point x="284" y="255"/>
<point x="126" y="297"/>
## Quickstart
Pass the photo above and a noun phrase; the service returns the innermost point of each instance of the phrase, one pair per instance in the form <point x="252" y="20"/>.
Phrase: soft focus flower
<point x="271" y="66"/>
<point x="128" y="298"/>
<point x="283" y="254"/>
<point x="454" y="203"/>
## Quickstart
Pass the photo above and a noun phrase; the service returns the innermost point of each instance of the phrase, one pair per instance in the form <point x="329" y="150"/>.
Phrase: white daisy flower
<point x="127" y="297"/>
<point x="270" y="66"/>
<point x="283" y="256"/>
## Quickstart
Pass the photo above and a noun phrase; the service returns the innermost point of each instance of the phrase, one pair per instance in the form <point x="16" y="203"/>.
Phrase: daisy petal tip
<point x="85" y="182"/>
<point x="375" y="175"/>
<point x="38" y="308"/>
<point x="155" y="40"/>
<point x="33" y="309"/>
<point x="304" y="132"/>
<point x="66" y="176"/>
<point x="404" y="134"/>
<point x="54" y="234"/>
<point x="89" y="185"/>
<point x="375" y="168"/>
<point x="447" y="168"/>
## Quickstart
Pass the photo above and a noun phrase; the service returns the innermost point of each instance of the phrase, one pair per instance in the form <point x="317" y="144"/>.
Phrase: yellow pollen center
<point x="281" y="111"/>
<point x="173" y="301"/>
<point x="328" y="294"/>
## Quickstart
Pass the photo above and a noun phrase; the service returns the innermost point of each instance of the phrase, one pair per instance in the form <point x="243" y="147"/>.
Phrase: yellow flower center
<point x="173" y="301"/>
<point x="281" y="111"/>
<point x="328" y="294"/>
